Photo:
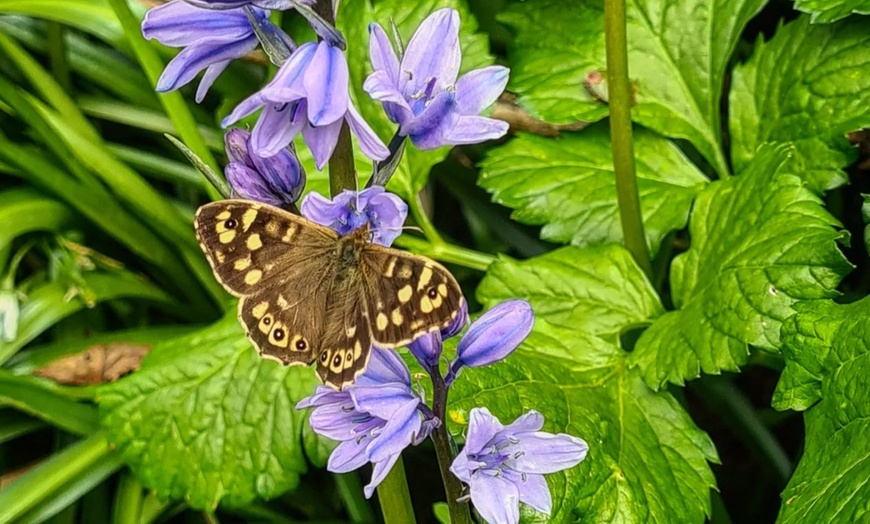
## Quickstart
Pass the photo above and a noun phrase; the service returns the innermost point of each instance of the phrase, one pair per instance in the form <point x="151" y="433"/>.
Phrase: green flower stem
<point x="173" y="102"/>
<point x="395" y="498"/>
<point x="459" y="512"/>
<point x="619" y="89"/>
<point x="422" y="219"/>
<point x="447" y="252"/>
<point x="350" y="490"/>
<point x="342" y="174"/>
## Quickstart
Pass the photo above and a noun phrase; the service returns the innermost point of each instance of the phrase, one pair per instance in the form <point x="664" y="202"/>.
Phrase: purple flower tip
<point x="422" y="93"/>
<point x="493" y="336"/>
<point x="211" y="40"/>
<point x="505" y="465"/>
<point x="427" y="349"/>
<point x="383" y="212"/>
<point x="374" y="419"/>
<point x="277" y="180"/>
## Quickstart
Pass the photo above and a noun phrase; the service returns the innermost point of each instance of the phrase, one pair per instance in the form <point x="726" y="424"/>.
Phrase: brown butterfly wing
<point x="407" y="295"/>
<point x="277" y="262"/>
<point x="347" y="338"/>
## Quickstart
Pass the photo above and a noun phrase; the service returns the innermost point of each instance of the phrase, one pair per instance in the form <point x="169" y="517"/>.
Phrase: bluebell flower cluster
<point x="382" y="413"/>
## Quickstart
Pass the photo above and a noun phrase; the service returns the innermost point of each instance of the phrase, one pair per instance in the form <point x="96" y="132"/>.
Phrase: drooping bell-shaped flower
<point x="278" y="5"/>
<point x="383" y="212"/>
<point x="427" y="348"/>
<point x="211" y="40"/>
<point x="277" y="180"/>
<point x="505" y="465"/>
<point x="308" y="95"/>
<point x="421" y="93"/>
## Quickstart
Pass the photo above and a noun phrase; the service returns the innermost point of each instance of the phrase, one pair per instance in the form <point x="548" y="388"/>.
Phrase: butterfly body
<point x="309" y="295"/>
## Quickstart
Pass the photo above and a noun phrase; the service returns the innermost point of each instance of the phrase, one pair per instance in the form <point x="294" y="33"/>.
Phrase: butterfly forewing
<point x="407" y="295"/>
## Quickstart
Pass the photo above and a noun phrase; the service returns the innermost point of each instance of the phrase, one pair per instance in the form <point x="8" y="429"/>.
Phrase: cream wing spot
<point x="260" y="309"/>
<point x="220" y="257"/>
<point x="282" y="302"/>
<point x="425" y="277"/>
<point x="253" y="276"/>
<point x="254" y="243"/>
<point x="336" y="365"/>
<point x="405" y="294"/>
<point x="442" y="290"/>
<point x="405" y="272"/>
<point x="272" y="228"/>
<point x="278" y="335"/>
<point x="436" y="302"/>
<point x="357" y="350"/>
<point x="248" y="218"/>
<point x="426" y="305"/>
<point x="227" y="236"/>
<point x="350" y="331"/>
<point x="291" y="232"/>
<point x="390" y="267"/>
<point x="223" y="215"/>
<point x="382" y="321"/>
<point x="242" y="263"/>
<point x="397" y="317"/>
<point x="265" y="325"/>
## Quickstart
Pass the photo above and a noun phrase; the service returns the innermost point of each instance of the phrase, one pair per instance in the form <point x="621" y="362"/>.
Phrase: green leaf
<point x="24" y="210"/>
<point x="207" y="420"/>
<point x="647" y="461"/>
<point x="809" y="85"/>
<point x="91" y="16"/>
<point x="824" y="11"/>
<point x="568" y="185"/>
<point x="760" y="242"/>
<point x="827" y="351"/>
<point x="44" y="399"/>
<point x="679" y="55"/>
<point x="413" y="171"/>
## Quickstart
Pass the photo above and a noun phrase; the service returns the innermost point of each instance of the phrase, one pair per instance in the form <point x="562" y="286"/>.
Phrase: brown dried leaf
<point x="98" y="364"/>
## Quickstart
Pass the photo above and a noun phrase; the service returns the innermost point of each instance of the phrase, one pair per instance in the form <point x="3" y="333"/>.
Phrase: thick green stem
<point x="351" y="492"/>
<point x="619" y="89"/>
<point x="447" y="252"/>
<point x="395" y="498"/>
<point x="459" y="512"/>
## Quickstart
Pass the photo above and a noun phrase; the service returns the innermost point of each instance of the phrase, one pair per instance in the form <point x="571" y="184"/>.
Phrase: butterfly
<point x="309" y="295"/>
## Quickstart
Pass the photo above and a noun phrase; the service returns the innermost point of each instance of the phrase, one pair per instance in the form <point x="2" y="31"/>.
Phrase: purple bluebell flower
<point x="211" y="40"/>
<point x="504" y="466"/>
<point x="374" y="419"/>
<point x="493" y="336"/>
<point x="422" y="93"/>
<point x="309" y="94"/>
<point x="427" y="348"/>
<point x="277" y="180"/>
<point x="384" y="212"/>
<point x="278" y="5"/>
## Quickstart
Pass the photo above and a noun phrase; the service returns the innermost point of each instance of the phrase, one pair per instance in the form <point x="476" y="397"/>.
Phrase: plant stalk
<point x="342" y="174"/>
<point x="619" y="89"/>
<point x="459" y="512"/>
<point x="395" y="498"/>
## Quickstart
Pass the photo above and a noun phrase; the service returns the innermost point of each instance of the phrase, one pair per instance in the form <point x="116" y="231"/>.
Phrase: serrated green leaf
<point x="809" y="85"/>
<point x="207" y="420"/>
<point x="760" y="242"/>
<point x="413" y="171"/>
<point x="679" y="54"/>
<point x="568" y="185"/>
<point x="647" y="461"/>
<point x="827" y="351"/>
<point x="825" y="11"/>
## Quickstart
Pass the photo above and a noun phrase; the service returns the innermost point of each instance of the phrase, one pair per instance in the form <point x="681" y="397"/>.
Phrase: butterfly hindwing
<point x="253" y="246"/>
<point x="407" y="295"/>
<point x="347" y="339"/>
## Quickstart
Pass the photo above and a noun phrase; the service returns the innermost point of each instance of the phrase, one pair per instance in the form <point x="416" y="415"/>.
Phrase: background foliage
<point x="750" y="173"/>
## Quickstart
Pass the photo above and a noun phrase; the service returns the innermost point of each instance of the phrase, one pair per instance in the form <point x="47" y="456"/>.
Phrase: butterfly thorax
<point x="348" y="251"/>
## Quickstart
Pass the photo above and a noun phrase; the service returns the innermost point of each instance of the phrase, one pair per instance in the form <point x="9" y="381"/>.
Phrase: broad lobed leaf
<point x="568" y="185"/>
<point x="679" y="54"/>
<point x="809" y="85"/>
<point x="647" y="460"/>
<point x="824" y="11"/>
<point x="761" y="241"/>
<point x="207" y="420"/>
<point x="827" y="351"/>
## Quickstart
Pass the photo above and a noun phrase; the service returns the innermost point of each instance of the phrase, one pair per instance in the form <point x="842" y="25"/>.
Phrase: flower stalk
<point x="459" y="512"/>
<point x="394" y="496"/>
<point x="620" y="134"/>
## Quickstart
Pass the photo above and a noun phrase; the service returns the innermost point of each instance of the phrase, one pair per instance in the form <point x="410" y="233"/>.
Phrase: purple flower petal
<point x="325" y="84"/>
<point x="533" y="490"/>
<point x="427" y="351"/>
<point x="457" y="324"/>
<point x="236" y="145"/>
<point x="381" y="53"/>
<point x="335" y="421"/>
<point x="275" y="129"/>
<point x="321" y="141"/>
<point x="321" y="397"/>
<point x="211" y="73"/>
<point x="318" y="208"/>
<point x="381" y="87"/>
<point x="429" y="129"/>
<point x="349" y="455"/>
<point x="384" y="401"/>
<point x="288" y="84"/>
<point x="179" y="24"/>
<point x="245" y="108"/>
<point x="531" y="421"/>
<point x="433" y="52"/>
<point x="193" y="59"/>
<point x="496" y="334"/>
<point x="482" y="427"/>
<point x="463" y="466"/>
<point x="379" y="473"/>
<point x="385" y="367"/>
<point x="496" y="498"/>
<point x="540" y="452"/>
<point x="478" y="89"/>
<point x="401" y="429"/>
<point x="475" y="129"/>
<point x="370" y="144"/>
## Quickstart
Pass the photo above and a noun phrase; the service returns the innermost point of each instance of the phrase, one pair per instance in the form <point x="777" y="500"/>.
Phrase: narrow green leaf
<point x="157" y="166"/>
<point x="217" y="182"/>
<point x="88" y="461"/>
<point x="23" y="210"/>
<point x="568" y="185"/>
<point x="14" y="424"/>
<point x="827" y="352"/>
<point x="207" y="420"/>
<point x="809" y="85"/>
<point x="42" y="399"/>
<point x="647" y="461"/>
<point x="91" y="16"/>
<point x="760" y="242"/>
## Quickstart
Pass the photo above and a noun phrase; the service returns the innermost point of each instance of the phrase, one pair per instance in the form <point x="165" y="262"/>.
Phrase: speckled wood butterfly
<point x="309" y="295"/>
